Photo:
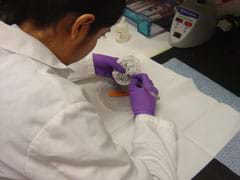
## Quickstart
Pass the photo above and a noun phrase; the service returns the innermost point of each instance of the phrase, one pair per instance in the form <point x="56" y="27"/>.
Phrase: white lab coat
<point x="49" y="131"/>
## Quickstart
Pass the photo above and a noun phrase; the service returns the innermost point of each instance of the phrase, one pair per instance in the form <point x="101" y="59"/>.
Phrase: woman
<point x="48" y="129"/>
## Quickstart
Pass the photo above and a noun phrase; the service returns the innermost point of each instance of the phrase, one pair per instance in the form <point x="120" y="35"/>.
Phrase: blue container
<point x="144" y="24"/>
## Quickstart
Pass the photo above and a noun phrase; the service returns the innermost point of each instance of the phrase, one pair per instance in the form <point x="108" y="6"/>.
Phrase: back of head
<point x="48" y="12"/>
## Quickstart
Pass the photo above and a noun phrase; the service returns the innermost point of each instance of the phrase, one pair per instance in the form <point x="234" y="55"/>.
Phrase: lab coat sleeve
<point x="154" y="143"/>
<point x="82" y="70"/>
<point x="75" y="145"/>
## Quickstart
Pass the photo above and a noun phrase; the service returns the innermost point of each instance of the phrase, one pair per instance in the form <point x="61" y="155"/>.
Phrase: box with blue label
<point x="145" y="14"/>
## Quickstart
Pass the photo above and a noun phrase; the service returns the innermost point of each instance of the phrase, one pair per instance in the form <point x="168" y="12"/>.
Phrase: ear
<point x="81" y="27"/>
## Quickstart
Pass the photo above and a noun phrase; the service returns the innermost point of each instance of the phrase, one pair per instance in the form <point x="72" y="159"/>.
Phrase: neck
<point x="49" y="37"/>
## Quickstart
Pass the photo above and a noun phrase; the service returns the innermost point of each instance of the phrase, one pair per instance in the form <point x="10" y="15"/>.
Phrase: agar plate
<point x="115" y="103"/>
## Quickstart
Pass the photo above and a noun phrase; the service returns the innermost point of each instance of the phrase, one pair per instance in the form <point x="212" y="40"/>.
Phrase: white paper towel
<point x="215" y="129"/>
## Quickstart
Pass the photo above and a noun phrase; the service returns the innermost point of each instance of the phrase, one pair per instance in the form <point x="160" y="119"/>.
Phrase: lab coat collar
<point x="13" y="39"/>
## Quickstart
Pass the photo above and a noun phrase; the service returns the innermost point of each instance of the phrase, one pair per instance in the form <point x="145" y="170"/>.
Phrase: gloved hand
<point x="105" y="65"/>
<point x="139" y="91"/>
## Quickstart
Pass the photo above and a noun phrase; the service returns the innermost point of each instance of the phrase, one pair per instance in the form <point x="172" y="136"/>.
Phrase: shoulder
<point x="39" y="77"/>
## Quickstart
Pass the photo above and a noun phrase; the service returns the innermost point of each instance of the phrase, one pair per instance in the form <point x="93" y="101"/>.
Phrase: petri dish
<point x="132" y="66"/>
<point x="115" y="103"/>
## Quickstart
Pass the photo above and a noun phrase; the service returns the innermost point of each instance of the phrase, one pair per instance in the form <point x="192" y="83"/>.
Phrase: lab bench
<point x="206" y="59"/>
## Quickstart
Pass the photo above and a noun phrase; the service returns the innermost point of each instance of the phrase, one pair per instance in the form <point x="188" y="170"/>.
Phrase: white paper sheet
<point x="215" y="129"/>
<point x="191" y="159"/>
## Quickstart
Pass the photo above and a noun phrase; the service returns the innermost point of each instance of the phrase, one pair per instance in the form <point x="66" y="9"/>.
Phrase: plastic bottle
<point x="122" y="31"/>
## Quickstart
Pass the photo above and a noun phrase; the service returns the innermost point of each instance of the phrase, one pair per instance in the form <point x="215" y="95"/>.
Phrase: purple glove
<point x="140" y="90"/>
<point x="105" y="65"/>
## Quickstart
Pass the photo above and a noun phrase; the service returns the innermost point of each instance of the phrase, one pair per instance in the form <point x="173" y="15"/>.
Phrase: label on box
<point x="186" y="12"/>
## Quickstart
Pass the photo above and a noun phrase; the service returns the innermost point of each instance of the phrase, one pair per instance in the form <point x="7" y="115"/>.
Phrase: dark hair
<point x="48" y="12"/>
